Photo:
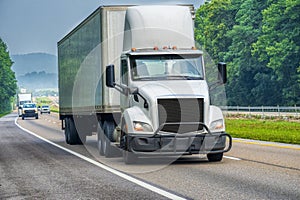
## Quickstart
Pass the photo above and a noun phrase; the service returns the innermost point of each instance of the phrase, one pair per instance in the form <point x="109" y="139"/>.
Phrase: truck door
<point x="124" y="98"/>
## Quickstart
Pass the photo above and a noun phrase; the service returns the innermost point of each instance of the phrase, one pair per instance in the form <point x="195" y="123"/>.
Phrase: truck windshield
<point x="166" y="67"/>
<point x="29" y="106"/>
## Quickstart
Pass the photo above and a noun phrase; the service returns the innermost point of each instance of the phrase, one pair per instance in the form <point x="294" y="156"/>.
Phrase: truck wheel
<point x="67" y="131"/>
<point x="129" y="157"/>
<point x="214" y="157"/>
<point x="23" y="117"/>
<point x="37" y="116"/>
<point x="100" y="140"/>
<point x="73" y="134"/>
<point x="108" y="128"/>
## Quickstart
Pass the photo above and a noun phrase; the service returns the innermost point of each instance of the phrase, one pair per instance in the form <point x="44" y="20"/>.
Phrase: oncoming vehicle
<point x="45" y="109"/>
<point x="29" y="110"/>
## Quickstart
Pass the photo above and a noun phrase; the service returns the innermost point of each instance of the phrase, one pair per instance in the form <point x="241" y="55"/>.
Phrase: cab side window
<point x="124" y="72"/>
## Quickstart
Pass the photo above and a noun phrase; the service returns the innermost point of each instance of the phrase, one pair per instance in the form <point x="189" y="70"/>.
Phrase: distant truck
<point x="133" y="75"/>
<point x="23" y="98"/>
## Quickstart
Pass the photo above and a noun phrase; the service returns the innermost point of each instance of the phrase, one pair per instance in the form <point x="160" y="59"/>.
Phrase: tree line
<point x="8" y="82"/>
<point x="260" y="42"/>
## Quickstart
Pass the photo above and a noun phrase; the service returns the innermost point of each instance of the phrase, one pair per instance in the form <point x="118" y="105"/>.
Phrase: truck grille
<point x="180" y="110"/>
<point x="29" y="111"/>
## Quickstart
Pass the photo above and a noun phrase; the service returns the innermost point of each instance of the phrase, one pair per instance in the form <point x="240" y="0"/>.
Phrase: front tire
<point x="215" y="157"/>
<point x="128" y="157"/>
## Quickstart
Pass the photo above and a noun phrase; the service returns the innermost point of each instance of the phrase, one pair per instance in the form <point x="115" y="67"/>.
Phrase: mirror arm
<point x="127" y="90"/>
<point x="122" y="89"/>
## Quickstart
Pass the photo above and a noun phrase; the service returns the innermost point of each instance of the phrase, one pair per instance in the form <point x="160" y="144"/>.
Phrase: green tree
<point x="8" y="81"/>
<point x="250" y="81"/>
<point x="212" y="22"/>
<point x="279" y="46"/>
<point x="260" y="42"/>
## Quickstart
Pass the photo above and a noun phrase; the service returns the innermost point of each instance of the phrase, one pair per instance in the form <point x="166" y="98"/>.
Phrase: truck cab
<point x="166" y="106"/>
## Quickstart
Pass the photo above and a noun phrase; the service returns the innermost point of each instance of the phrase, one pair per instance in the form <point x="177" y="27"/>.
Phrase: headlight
<point x="218" y="124"/>
<point x="141" y="126"/>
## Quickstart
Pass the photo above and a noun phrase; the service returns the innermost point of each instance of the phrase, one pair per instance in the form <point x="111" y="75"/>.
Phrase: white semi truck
<point x="23" y="98"/>
<point x="133" y="75"/>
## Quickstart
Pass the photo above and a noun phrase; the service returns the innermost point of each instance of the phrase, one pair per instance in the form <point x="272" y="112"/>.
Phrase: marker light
<point x="133" y="49"/>
<point x="155" y="48"/>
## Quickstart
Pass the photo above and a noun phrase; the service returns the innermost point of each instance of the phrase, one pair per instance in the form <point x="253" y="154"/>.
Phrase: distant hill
<point x="35" y="70"/>
<point x="34" y="62"/>
<point x="38" y="80"/>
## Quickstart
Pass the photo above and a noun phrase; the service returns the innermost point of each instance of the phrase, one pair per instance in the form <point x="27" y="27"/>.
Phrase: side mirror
<point x="222" y="75"/>
<point x="110" y="76"/>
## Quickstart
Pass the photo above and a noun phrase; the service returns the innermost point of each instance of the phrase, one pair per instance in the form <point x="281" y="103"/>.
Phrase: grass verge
<point x="46" y="100"/>
<point x="3" y="114"/>
<point x="265" y="130"/>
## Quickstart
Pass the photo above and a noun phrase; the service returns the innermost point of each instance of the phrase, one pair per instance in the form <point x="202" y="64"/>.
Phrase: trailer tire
<point x="73" y="134"/>
<point x="67" y="130"/>
<point x="215" y="157"/>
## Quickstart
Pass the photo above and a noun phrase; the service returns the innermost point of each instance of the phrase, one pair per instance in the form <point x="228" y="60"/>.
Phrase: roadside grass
<point x="3" y="114"/>
<point x="45" y="100"/>
<point x="274" y="130"/>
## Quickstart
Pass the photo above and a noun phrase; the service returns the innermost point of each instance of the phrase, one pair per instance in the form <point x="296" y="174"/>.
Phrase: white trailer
<point x="21" y="99"/>
<point x="133" y="74"/>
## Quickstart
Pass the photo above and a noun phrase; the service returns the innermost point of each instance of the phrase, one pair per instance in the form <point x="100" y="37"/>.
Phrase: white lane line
<point x="118" y="173"/>
<point x="232" y="158"/>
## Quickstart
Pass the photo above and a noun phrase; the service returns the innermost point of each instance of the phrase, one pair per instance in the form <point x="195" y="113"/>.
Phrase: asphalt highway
<point x="38" y="164"/>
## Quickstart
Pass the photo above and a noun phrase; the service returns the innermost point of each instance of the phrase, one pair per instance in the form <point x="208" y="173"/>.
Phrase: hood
<point x="174" y="89"/>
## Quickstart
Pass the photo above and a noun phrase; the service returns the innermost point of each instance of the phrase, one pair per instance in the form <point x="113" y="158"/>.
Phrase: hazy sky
<point x="28" y="26"/>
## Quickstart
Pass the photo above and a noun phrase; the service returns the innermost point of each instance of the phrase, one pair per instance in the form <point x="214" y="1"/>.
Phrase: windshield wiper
<point x="182" y="77"/>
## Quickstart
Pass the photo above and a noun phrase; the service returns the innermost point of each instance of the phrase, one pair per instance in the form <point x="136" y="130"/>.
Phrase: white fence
<point x="264" y="110"/>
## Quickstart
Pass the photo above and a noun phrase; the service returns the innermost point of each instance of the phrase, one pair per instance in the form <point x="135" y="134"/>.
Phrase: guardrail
<point x="265" y="110"/>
